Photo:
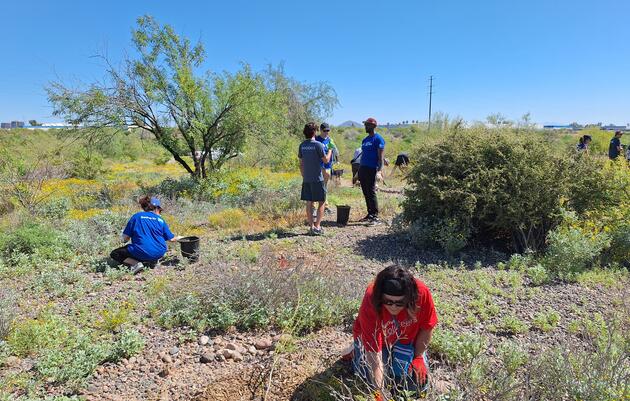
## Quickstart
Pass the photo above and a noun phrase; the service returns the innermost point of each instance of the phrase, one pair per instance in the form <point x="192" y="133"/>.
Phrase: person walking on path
<point x="615" y="148"/>
<point x="392" y="332"/>
<point x="372" y="149"/>
<point x="312" y="154"/>
<point x="148" y="233"/>
<point x="325" y="139"/>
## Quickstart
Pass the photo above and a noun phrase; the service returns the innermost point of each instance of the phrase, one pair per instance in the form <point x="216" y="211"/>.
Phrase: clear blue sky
<point x="561" y="60"/>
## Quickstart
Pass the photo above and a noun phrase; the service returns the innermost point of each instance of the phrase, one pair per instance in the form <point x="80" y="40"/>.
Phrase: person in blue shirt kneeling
<point x="148" y="233"/>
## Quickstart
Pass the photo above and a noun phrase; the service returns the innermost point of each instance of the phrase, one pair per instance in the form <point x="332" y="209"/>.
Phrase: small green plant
<point x="512" y="325"/>
<point x="115" y="315"/>
<point x="546" y="321"/>
<point x="457" y="348"/>
<point x="128" y="343"/>
<point x="32" y="238"/>
<point x="570" y="251"/>
<point x="537" y="274"/>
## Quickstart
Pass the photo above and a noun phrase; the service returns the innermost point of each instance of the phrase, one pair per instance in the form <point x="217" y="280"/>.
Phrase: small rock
<point x="174" y="351"/>
<point x="206" y="358"/>
<point x="251" y="350"/>
<point x="164" y="372"/>
<point x="227" y="353"/>
<point x="167" y="359"/>
<point x="263" y="344"/>
<point x="203" y="340"/>
<point x="217" y="347"/>
<point x="220" y="358"/>
<point x="237" y="356"/>
<point x="232" y="346"/>
<point x="132" y="359"/>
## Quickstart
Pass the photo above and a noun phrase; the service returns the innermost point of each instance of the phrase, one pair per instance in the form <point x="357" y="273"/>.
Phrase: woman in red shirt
<point x="393" y="330"/>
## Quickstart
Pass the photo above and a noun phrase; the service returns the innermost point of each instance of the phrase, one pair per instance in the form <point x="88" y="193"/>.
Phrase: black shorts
<point x="313" y="191"/>
<point x="402" y="160"/>
<point x="120" y="254"/>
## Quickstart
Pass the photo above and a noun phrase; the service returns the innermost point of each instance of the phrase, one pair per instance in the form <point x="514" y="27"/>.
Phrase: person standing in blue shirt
<point x="148" y="233"/>
<point x="372" y="149"/>
<point x="325" y="139"/>
<point x="311" y="154"/>
<point x="615" y="148"/>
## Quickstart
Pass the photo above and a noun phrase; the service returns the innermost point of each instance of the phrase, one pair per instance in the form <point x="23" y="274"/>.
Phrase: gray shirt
<point x="311" y="153"/>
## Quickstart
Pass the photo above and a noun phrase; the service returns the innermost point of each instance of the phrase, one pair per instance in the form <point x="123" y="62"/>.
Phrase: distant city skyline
<point x="562" y="62"/>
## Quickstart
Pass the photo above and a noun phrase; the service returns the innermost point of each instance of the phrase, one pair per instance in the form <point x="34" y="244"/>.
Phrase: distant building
<point x="17" y="124"/>
<point x="611" y="127"/>
<point x="5" y="125"/>
<point x="558" y="127"/>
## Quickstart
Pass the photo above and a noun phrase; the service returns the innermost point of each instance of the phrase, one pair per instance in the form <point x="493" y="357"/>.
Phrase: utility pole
<point x="430" y="99"/>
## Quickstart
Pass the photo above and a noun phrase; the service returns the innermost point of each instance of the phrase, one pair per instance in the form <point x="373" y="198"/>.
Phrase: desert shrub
<point x="299" y="301"/>
<point x="33" y="238"/>
<point x="456" y="348"/>
<point x="128" y="343"/>
<point x="228" y="218"/>
<point x="492" y="186"/>
<point x="54" y="209"/>
<point x="95" y="235"/>
<point x="546" y="320"/>
<point x="87" y="165"/>
<point x="537" y="274"/>
<point x="570" y="251"/>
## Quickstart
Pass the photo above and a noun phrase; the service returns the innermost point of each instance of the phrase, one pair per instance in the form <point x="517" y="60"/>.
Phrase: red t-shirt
<point x="371" y="328"/>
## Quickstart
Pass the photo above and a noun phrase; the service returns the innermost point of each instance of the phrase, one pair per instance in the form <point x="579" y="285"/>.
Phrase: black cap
<point x="324" y="127"/>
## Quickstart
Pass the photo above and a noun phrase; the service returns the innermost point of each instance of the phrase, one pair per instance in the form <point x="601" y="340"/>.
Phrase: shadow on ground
<point x="319" y="386"/>
<point x="395" y="247"/>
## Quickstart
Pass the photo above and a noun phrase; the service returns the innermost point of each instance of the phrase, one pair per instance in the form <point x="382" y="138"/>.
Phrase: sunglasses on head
<point x="389" y="302"/>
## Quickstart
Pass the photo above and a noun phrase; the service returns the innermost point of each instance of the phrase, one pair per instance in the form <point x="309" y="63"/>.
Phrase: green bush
<point x="54" y="209"/>
<point x="570" y="251"/>
<point x="494" y="186"/>
<point x="32" y="238"/>
<point x="87" y="165"/>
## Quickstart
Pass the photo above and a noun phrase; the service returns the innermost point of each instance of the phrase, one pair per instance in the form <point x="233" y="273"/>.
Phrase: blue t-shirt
<point x="326" y="142"/>
<point x="370" y="147"/>
<point x="311" y="153"/>
<point x="613" y="149"/>
<point x="149" y="233"/>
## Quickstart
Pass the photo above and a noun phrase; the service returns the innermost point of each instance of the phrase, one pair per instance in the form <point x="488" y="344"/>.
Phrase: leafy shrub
<point x="510" y="325"/>
<point x="54" y="209"/>
<point x="537" y="274"/>
<point x="128" y="343"/>
<point x="546" y="321"/>
<point x="456" y="348"/>
<point x="30" y="238"/>
<point x="87" y="165"/>
<point x="570" y="251"/>
<point x="491" y="186"/>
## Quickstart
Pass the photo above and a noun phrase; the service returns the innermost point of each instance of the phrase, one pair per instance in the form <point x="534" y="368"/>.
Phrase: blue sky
<point x="560" y="60"/>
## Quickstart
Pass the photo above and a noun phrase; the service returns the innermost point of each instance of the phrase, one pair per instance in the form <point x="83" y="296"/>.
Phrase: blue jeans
<point x="397" y="362"/>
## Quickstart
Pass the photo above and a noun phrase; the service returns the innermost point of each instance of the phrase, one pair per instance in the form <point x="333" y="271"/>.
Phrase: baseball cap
<point x="156" y="202"/>
<point x="370" y="121"/>
<point x="324" y="127"/>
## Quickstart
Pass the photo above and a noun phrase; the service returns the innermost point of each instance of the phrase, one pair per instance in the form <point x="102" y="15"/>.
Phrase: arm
<point x="380" y="159"/>
<point x="302" y="167"/>
<point x="422" y="342"/>
<point x="375" y="362"/>
<point x="125" y="238"/>
<point x="327" y="156"/>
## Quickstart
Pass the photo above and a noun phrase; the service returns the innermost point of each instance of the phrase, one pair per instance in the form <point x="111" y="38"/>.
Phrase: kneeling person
<point x="148" y="233"/>
<point x="312" y="154"/>
<point x="392" y="332"/>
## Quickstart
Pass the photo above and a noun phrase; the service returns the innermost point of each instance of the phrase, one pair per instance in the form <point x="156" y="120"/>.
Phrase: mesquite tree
<point x="206" y="116"/>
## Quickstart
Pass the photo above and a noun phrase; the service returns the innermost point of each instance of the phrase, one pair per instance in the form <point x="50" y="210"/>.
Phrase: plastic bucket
<point x="190" y="248"/>
<point x="343" y="214"/>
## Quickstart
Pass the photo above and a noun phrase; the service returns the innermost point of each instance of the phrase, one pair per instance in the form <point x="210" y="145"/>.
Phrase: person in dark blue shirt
<point x="615" y="148"/>
<point x="372" y="149"/>
<point x="583" y="144"/>
<point x="148" y="233"/>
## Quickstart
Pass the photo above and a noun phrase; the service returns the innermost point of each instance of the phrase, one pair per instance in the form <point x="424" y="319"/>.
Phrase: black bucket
<point x="343" y="214"/>
<point x="190" y="248"/>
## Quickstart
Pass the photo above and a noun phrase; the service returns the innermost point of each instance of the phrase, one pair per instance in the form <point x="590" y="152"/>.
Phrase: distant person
<point x="372" y="149"/>
<point x="312" y="154"/>
<point x="148" y="233"/>
<point x="401" y="163"/>
<point x="325" y="139"/>
<point x="397" y="316"/>
<point x="356" y="163"/>
<point x="583" y="144"/>
<point x="615" y="148"/>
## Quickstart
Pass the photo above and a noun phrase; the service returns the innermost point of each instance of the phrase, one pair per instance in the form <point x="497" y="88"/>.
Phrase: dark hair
<point x="581" y="139"/>
<point x="309" y="130"/>
<point x="145" y="204"/>
<point x="408" y="284"/>
<point x="587" y="138"/>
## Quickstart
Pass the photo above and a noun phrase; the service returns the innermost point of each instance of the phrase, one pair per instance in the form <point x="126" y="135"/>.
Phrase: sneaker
<point x="137" y="268"/>
<point x="374" y="221"/>
<point x="366" y="218"/>
<point x="318" y="231"/>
